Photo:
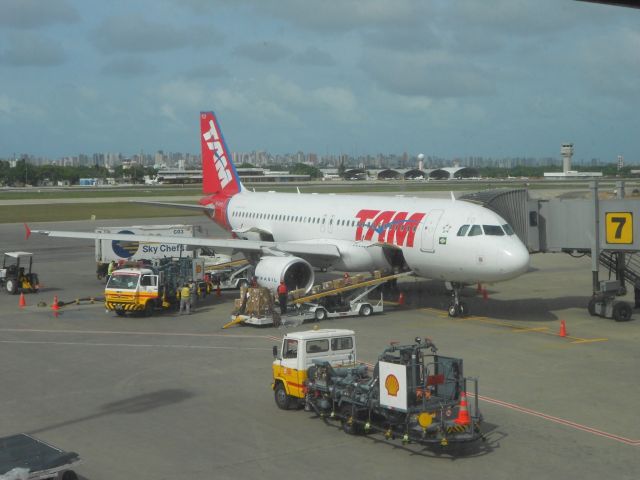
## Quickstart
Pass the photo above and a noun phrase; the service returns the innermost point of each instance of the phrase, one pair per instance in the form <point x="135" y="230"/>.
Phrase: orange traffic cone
<point x="463" y="413"/>
<point x="563" y="329"/>
<point x="22" y="303"/>
<point x="401" y="299"/>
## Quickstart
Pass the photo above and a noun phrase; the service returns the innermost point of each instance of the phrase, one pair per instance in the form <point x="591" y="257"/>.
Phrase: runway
<point x="178" y="397"/>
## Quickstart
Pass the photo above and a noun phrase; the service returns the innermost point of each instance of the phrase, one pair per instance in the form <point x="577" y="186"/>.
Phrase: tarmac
<point x="175" y="397"/>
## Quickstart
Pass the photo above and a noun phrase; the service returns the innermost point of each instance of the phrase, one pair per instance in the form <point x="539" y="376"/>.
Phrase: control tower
<point x="566" y="151"/>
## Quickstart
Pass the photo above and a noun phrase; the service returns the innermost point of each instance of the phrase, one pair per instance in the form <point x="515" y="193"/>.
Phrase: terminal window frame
<point x="318" y="346"/>
<point x="341" y="343"/>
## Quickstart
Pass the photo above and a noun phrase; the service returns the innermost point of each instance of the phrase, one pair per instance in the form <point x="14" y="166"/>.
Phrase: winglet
<point x="27" y="231"/>
<point x="453" y="197"/>
<point x="298" y="189"/>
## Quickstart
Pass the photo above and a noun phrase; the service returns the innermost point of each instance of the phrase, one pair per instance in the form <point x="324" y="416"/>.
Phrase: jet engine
<point x="296" y="273"/>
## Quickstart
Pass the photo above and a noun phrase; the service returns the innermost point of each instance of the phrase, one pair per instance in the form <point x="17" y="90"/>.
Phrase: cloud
<point x="328" y="15"/>
<point x="314" y="57"/>
<point x="36" y="13"/>
<point x="128" y="67"/>
<point x="210" y="70"/>
<point x="135" y="34"/>
<point x="263" y="52"/>
<point x="30" y="50"/>
<point x="429" y="74"/>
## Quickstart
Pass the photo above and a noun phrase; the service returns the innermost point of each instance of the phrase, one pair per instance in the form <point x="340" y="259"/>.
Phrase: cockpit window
<point x="463" y="230"/>
<point x="475" y="230"/>
<point x="507" y="228"/>
<point x="495" y="230"/>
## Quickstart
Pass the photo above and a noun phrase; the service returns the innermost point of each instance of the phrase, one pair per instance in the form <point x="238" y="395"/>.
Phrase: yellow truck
<point x="147" y="288"/>
<point x="299" y="351"/>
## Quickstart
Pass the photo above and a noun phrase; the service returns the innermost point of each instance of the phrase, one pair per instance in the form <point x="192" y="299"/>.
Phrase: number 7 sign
<point x="619" y="227"/>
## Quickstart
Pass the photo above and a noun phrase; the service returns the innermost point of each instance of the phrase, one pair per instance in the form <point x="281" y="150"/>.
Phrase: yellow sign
<point x="619" y="227"/>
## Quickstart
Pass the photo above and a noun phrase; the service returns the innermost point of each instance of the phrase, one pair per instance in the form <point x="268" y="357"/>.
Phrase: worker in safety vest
<point x="282" y="297"/>
<point x="185" y="299"/>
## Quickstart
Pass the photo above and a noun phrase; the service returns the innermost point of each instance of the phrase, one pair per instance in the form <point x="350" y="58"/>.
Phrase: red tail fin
<point x="219" y="175"/>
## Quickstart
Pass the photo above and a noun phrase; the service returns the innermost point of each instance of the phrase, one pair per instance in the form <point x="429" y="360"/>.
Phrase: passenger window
<point x="463" y="230"/>
<point x="475" y="230"/>
<point x="290" y="349"/>
<point x="507" y="229"/>
<point x="494" y="230"/>
<point x="318" y="346"/>
<point x="342" y="343"/>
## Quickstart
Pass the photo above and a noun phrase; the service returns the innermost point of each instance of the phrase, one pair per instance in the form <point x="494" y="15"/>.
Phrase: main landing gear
<point x="457" y="308"/>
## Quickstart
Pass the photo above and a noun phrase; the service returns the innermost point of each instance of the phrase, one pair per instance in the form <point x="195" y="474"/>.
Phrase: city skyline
<point x="499" y="79"/>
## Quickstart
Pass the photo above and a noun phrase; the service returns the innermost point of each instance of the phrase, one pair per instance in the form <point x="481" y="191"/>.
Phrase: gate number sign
<point x="619" y="227"/>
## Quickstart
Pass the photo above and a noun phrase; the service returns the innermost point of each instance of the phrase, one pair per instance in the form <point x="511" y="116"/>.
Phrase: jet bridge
<point x="608" y="230"/>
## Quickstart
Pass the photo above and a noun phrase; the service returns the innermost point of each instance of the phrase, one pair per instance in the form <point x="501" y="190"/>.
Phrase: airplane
<point x="286" y="235"/>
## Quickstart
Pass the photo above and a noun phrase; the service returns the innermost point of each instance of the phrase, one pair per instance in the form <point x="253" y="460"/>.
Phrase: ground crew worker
<point x="111" y="267"/>
<point x="347" y="278"/>
<point x="282" y="297"/>
<point x="185" y="300"/>
<point x="193" y="295"/>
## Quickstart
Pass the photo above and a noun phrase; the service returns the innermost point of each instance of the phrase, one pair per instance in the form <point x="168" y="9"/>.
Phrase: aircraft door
<point x="428" y="226"/>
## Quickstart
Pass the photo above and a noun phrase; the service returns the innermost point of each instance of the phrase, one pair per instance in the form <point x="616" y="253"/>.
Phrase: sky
<point x="494" y="78"/>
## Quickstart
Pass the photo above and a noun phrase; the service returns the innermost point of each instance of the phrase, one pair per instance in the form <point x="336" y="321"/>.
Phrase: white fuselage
<point x="429" y="233"/>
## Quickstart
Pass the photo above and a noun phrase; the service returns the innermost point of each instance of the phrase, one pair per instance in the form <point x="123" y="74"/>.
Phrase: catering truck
<point x="152" y="285"/>
<point x="120" y="251"/>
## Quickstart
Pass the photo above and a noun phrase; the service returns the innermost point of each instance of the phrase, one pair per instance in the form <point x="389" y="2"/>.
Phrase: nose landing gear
<point x="457" y="308"/>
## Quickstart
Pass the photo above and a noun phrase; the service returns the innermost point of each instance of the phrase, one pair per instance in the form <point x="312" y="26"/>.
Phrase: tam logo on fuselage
<point x="220" y="161"/>
<point x="397" y="228"/>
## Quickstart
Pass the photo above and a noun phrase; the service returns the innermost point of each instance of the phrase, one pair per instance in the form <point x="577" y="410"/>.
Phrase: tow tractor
<point x="15" y="276"/>
<point x="328" y="301"/>
<point x="412" y="393"/>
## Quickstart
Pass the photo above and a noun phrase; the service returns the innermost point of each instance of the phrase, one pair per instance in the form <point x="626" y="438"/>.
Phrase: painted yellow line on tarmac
<point x="513" y="328"/>
<point x="537" y="329"/>
<point x="590" y="340"/>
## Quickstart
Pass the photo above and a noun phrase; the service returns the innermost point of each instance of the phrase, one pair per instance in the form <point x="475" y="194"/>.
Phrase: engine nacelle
<point x="296" y="273"/>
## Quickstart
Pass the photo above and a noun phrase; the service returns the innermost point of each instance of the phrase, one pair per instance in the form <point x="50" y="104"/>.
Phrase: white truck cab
<point x="297" y="352"/>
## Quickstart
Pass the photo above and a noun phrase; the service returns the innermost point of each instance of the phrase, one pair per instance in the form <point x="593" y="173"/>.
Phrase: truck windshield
<point x="123" y="280"/>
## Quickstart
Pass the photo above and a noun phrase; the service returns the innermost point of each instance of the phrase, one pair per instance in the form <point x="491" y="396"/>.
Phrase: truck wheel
<point x="453" y="310"/>
<point x="321" y="314"/>
<point x="120" y="313"/>
<point x="282" y="399"/>
<point x="347" y="420"/>
<point x="591" y="307"/>
<point x="149" y="308"/>
<point x="11" y="286"/>
<point x="366" y="310"/>
<point x="69" y="475"/>
<point x="621" y="312"/>
<point x="463" y="309"/>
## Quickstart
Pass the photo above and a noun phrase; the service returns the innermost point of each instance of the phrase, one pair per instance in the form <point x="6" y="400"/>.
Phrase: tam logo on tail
<point x="218" y="173"/>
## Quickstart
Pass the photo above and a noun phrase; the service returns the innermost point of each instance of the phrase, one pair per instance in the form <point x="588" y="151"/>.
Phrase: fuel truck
<point x="412" y="393"/>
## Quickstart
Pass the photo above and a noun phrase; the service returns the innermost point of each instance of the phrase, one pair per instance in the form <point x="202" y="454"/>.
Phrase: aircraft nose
<point x="514" y="259"/>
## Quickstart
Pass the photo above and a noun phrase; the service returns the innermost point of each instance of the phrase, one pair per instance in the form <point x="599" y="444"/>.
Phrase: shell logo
<point x="392" y="385"/>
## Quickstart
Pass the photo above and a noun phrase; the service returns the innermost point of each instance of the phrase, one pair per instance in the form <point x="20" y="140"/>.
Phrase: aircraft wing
<point x="301" y="249"/>
<point x="202" y="208"/>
